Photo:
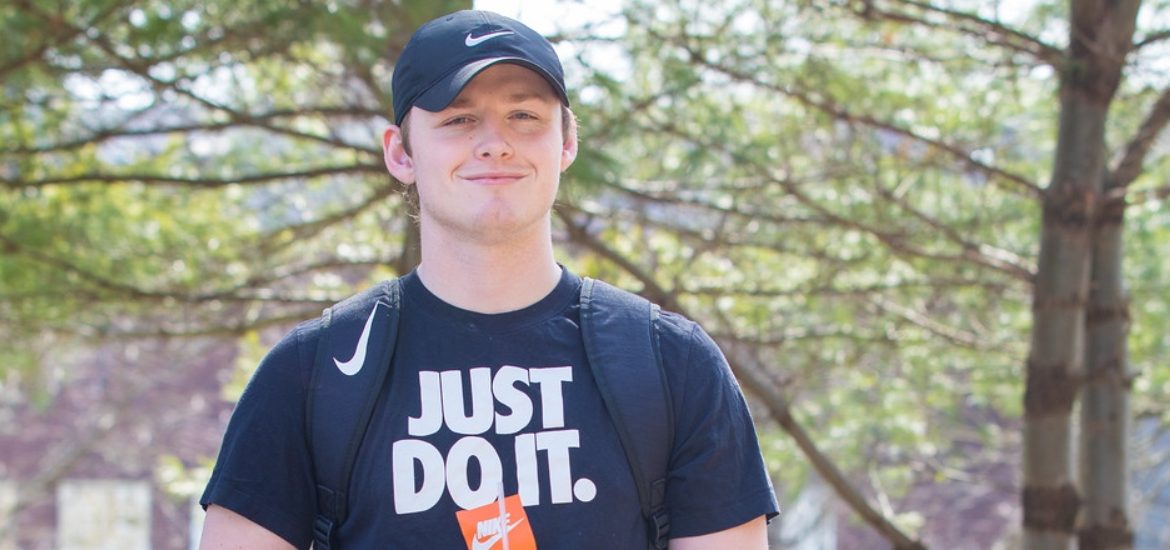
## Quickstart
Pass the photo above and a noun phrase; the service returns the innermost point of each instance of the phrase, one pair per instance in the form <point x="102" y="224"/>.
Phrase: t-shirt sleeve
<point x="717" y="477"/>
<point x="264" y="469"/>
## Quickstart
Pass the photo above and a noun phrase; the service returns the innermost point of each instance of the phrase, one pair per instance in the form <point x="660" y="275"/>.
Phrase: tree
<point x="1080" y="273"/>
<point x="182" y="170"/>
<point x="882" y="172"/>
<point x="188" y="155"/>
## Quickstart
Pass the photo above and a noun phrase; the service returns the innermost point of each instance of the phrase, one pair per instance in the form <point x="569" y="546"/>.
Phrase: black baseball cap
<point x="445" y="53"/>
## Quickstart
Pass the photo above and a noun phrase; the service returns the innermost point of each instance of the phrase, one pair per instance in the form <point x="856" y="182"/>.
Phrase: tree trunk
<point x="1100" y="36"/>
<point x="411" y="254"/>
<point x="1104" y="473"/>
<point x="1105" y="411"/>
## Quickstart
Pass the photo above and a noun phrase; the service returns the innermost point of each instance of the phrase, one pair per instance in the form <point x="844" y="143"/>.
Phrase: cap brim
<point x="439" y="96"/>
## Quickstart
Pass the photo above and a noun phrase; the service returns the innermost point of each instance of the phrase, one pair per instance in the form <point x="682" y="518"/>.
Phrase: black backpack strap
<point x="354" y="350"/>
<point x="620" y="330"/>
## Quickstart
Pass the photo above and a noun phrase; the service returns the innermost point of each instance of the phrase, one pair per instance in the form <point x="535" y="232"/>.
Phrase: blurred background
<point x="931" y="236"/>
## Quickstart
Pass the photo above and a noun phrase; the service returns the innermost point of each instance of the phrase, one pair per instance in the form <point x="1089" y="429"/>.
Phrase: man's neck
<point x="489" y="279"/>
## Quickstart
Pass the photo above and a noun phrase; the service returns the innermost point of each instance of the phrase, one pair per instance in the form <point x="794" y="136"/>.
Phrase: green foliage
<point x="857" y="194"/>
<point x="178" y="480"/>
<point x="1149" y="269"/>
<point x="218" y="159"/>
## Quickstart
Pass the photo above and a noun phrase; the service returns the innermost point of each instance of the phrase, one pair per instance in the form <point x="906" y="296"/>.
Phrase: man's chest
<point x="452" y="439"/>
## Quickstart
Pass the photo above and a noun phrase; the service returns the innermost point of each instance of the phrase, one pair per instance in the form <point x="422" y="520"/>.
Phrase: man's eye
<point x="455" y="121"/>
<point x="524" y="116"/>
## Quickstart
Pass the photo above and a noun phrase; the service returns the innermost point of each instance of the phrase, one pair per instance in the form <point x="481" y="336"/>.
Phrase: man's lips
<point x="493" y="178"/>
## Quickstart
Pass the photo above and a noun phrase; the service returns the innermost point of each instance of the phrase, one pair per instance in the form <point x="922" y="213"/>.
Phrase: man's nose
<point x="493" y="142"/>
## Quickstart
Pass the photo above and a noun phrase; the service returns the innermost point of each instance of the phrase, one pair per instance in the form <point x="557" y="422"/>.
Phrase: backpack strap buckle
<point x="659" y="529"/>
<point x="322" y="533"/>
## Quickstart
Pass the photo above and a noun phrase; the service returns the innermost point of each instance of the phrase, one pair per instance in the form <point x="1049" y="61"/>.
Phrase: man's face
<point x="488" y="166"/>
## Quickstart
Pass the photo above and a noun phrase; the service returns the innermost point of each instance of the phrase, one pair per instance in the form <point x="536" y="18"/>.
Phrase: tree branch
<point x="895" y="241"/>
<point x="1152" y="38"/>
<point x="270" y="243"/>
<point x="845" y="291"/>
<point x="249" y="291"/>
<point x="955" y="336"/>
<point x="791" y="335"/>
<point x="1149" y="195"/>
<point x="748" y="369"/>
<point x="72" y="32"/>
<point x="12" y="246"/>
<point x="202" y="182"/>
<point x="1129" y="165"/>
<point x="256" y="120"/>
<point x="141" y="68"/>
<point x="240" y="326"/>
<point x="652" y="290"/>
<point x="830" y="108"/>
<point x="981" y="252"/>
<point x="993" y="32"/>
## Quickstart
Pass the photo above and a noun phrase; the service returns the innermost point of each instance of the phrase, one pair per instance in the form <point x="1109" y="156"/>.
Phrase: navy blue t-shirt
<point x="486" y="411"/>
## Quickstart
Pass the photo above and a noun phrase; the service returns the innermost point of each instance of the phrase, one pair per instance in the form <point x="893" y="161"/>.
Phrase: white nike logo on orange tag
<point x="473" y="41"/>
<point x="486" y="543"/>
<point x="355" y="363"/>
<point x="499" y="525"/>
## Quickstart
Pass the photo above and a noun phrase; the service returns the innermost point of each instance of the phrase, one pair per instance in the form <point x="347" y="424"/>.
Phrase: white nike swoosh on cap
<point x="488" y="542"/>
<point x="473" y="41"/>
<point x="355" y="363"/>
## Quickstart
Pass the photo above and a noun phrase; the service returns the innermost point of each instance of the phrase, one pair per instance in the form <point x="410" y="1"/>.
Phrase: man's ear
<point x="398" y="163"/>
<point x="569" y="148"/>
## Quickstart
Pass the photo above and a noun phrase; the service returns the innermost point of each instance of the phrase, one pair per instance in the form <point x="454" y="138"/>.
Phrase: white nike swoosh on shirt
<point x="488" y="542"/>
<point x="473" y="41"/>
<point x="355" y="363"/>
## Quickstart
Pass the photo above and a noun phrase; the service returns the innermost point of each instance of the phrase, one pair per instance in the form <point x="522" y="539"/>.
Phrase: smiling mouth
<point x="493" y="179"/>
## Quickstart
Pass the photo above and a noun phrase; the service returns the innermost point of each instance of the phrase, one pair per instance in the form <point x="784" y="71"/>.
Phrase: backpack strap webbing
<point x="357" y="338"/>
<point x="620" y="331"/>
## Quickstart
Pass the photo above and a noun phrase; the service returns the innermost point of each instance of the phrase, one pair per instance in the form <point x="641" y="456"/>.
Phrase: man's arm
<point x="224" y="529"/>
<point x="752" y="535"/>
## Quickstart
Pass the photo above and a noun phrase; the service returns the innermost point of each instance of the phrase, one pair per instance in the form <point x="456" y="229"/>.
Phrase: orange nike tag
<point x="484" y="529"/>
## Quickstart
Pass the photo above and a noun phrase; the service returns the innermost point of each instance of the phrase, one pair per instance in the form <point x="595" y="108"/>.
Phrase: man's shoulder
<point x="676" y="325"/>
<point x="296" y="350"/>
<point x="387" y="291"/>
<point x="357" y="304"/>
<point x="685" y="343"/>
<point x="303" y="338"/>
<point x="672" y="326"/>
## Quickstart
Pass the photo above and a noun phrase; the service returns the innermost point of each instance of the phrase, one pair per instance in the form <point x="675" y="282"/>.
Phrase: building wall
<point x="92" y="466"/>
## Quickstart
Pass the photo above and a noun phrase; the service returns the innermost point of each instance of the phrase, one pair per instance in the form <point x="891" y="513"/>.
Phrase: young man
<point x="483" y="132"/>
